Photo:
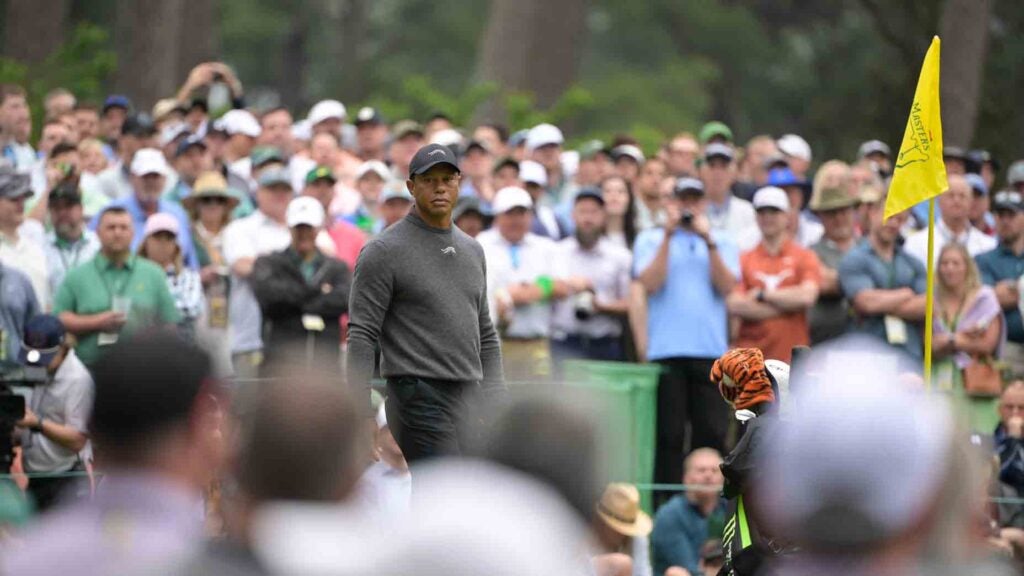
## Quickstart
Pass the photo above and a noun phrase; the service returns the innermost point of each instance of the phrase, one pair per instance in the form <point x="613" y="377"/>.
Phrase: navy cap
<point x="589" y="192"/>
<point x="14" y="184"/>
<point x="188" y="142"/>
<point x="685" y="186"/>
<point x="431" y="155"/>
<point x="42" y="339"/>
<point x="368" y="115"/>
<point x="117" y="101"/>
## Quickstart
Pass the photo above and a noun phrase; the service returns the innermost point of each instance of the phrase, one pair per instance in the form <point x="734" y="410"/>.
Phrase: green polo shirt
<point x="90" y="288"/>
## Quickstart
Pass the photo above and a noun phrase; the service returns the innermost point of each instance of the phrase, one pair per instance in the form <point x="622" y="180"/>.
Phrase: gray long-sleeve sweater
<point x="422" y="293"/>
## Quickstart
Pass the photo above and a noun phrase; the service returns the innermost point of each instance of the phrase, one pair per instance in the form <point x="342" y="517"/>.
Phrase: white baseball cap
<point x="326" y="110"/>
<point x="511" y="197"/>
<point x="305" y="210"/>
<point x="542" y="135"/>
<point x="376" y="166"/>
<point x="533" y="172"/>
<point x="240" y="122"/>
<point x="795" y="147"/>
<point x="771" y="197"/>
<point x="446" y="137"/>
<point x="629" y="151"/>
<point x="149" y="161"/>
<point x="302" y="130"/>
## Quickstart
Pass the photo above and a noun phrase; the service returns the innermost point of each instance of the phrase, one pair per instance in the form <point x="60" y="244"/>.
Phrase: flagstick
<point x="929" y="296"/>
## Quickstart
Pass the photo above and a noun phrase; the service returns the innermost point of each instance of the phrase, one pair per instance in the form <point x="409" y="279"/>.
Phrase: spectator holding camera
<point x="588" y="325"/>
<point x="56" y="414"/>
<point x="687" y="270"/>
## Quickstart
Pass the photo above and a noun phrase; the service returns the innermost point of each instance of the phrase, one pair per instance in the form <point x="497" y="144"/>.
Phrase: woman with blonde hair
<point x="968" y="327"/>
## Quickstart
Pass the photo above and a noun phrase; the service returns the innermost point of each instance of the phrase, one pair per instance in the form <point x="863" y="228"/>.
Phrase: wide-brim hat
<point x="825" y="199"/>
<point x="210" y="185"/>
<point x="619" y="507"/>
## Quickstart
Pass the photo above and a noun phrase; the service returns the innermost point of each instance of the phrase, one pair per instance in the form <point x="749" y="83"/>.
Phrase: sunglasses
<point x="213" y="200"/>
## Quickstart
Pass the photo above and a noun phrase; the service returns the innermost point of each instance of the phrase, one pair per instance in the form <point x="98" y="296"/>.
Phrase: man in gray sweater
<point x="420" y="291"/>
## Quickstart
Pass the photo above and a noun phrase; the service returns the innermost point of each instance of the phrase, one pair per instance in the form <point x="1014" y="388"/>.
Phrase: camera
<point x="12" y="406"/>
<point x="686" y="219"/>
<point x="583" y="304"/>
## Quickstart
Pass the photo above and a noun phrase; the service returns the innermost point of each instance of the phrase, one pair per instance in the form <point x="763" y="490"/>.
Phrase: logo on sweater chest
<point x="449" y="251"/>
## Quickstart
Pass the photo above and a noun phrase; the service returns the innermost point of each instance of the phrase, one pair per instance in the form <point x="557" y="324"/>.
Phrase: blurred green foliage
<point x="837" y="72"/>
<point x="83" y="64"/>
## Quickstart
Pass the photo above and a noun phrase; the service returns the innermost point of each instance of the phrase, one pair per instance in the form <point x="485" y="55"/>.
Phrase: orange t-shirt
<point x="792" y="266"/>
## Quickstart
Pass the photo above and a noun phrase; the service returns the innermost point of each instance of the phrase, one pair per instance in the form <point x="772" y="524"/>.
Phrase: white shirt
<point x="62" y="257"/>
<point x="29" y="256"/>
<point x="810" y="232"/>
<point x="385" y="491"/>
<point x="976" y="241"/>
<point x="737" y="219"/>
<point x="251" y="237"/>
<point x="535" y="256"/>
<point x="608" y="267"/>
<point x="67" y="400"/>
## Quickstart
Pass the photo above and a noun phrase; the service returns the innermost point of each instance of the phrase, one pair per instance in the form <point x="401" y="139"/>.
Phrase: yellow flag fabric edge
<point x="929" y="298"/>
<point x="915" y="179"/>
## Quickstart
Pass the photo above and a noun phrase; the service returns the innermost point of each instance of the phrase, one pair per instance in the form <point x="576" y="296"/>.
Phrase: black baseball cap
<point x="1008" y="200"/>
<point x="138" y="125"/>
<point x="431" y="155"/>
<point x="66" y="191"/>
<point x="591" y="193"/>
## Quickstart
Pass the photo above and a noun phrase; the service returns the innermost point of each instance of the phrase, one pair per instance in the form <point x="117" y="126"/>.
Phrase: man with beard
<point x="70" y="243"/>
<point x="589" y="323"/>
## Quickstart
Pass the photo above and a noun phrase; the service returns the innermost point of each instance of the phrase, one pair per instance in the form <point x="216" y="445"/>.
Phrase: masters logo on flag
<point x="920" y="172"/>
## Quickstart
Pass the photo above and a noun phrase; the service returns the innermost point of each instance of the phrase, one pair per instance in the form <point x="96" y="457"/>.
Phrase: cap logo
<point x="432" y="152"/>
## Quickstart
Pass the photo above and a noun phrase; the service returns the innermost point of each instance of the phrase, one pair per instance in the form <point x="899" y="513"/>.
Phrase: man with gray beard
<point x="588" y="324"/>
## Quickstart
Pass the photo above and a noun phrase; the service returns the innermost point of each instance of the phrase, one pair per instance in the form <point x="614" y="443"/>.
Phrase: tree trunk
<point x="199" y="38"/>
<point x="964" y="26"/>
<point x="147" y="38"/>
<point x="349" y="48"/>
<point x="532" y="46"/>
<point x="294" y="60"/>
<point x="34" y="28"/>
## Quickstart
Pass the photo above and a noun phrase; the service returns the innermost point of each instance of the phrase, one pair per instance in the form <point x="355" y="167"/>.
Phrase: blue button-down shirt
<point x="131" y="204"/>
<point x="687" y="317"/>
<point x="998" y="265"/>
<point x="863" y="269"/>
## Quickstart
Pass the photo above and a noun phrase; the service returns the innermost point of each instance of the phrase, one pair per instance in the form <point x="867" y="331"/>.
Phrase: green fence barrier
<point x="627" y="395"/>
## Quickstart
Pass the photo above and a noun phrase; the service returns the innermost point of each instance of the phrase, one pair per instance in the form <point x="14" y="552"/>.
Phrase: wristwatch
<point x="39" y="425"/>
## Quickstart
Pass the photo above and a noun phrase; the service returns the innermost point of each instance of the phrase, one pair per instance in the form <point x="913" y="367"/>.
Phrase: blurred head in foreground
<point x="156" y="408"/>
<point x="868" y="470"/>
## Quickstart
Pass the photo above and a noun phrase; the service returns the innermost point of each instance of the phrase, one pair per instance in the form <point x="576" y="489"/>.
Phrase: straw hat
<point x="832" y="187"/>
<point x="620" y="509"/>
<point x="210" y="184"/>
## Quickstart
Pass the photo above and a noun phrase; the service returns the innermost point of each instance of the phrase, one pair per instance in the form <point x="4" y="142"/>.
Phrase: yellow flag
<point x="919" y="172"/>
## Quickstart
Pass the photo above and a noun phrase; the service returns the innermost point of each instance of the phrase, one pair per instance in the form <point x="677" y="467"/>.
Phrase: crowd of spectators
<point x="239" y="232"/>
